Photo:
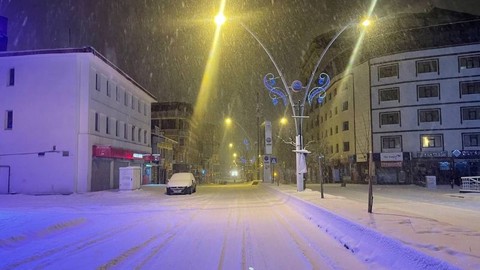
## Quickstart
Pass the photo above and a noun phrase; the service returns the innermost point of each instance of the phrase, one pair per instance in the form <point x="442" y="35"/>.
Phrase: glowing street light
<point x="277" y="94"/>
<point x="230" y="145"/>
<point x="220" y="19"/>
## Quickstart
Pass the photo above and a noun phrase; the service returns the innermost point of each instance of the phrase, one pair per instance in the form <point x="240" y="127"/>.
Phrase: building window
<point x="133" y="102"/>
<point x="430" y="115"/>
<point x="336" y="110"/>
<point x="8" y="120"/>
<point x="97" y="82"/>
<point x="336" y="129"/>
<point x="117" y="94"/>
<point x="427" y="66"/>
<point x="11" y="77"/>
<point x="391" y="142"/>
<point x="107" y="125"/>
<point x="108" y="90"/>
<point x="470" y="113"/>
<point x="389" y="94"/>
<point x="117" y="128"/>
<point x="388" y="71"/>
<point x="125" y="98"/>
<point x="469" y="88"/>
<point x="346" y="146"/>
<point x="431" y="141"/>
<point x="181" y="142"/>
<point x="125" y="132"/>
<point x="337" y="148"/>
<point x="139" y="135"/>
<point x="133" y="133"/>
<point x="471" y="140"/>
<point x="96" y="122"/>
<point x="345" y="126"/>
<point x="389" y="118"/>
<point x="138" y="106"/>
<point x="145" y="109"/>
<point x="428" y="90"/>
<point x="145" y="136"/>
<point x="331" y="131"/>
<point x="467" y="62"/>
<point x="345" y="106"/>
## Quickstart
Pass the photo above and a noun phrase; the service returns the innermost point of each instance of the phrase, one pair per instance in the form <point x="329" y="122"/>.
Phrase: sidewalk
<point x="441" y="223"/>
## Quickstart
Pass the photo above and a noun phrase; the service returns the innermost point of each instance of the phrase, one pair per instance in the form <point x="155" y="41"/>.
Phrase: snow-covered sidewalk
<point x="450" y="233"/>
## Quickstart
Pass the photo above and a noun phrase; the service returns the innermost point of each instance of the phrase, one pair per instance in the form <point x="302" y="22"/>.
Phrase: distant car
<point x="181" y="183"/>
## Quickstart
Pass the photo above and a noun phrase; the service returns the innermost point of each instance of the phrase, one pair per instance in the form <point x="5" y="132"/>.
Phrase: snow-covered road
<point x="219" y="227"/>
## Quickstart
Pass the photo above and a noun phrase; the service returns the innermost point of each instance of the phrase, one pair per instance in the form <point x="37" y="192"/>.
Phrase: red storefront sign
<point x="111" y="152"/>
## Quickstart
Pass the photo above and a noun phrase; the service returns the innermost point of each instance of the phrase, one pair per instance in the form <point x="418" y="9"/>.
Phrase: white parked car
<point x="181" y="183"/>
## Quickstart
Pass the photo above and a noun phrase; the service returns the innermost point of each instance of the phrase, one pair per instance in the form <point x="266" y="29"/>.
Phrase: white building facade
<point x="426" y="113"/>
<point x="70" y="120"/>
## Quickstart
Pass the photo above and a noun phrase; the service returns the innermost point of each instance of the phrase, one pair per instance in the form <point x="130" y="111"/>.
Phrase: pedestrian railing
<point x="470" y="184"/>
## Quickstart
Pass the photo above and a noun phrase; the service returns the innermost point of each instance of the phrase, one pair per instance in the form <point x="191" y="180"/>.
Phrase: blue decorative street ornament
<point x="322" y="84"/>
<point x="275" y="92"/>
<point x="297" y="86"/>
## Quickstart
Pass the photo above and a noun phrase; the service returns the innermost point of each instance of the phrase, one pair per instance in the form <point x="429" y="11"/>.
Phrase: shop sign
<point x="391" y="164"/>
<point x="361" y="157"/>
<point x="431" y="154"/>
<point x="391" y="156"/>
<point x="105" y="151"/>
<point x="466" y="153"/>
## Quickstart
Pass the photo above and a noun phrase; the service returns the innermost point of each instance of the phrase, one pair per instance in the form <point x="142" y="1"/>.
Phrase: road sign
<point x="273" y="160"/>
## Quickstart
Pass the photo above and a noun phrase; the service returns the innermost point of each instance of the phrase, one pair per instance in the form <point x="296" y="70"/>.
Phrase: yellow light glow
<point x="283" y="121"/>
<point x="366" y="22"/>
<point x="220" y="19"/>
<point x="207" y="86"/>
<point x="228" y="121"/>
<point x="230" y="145"/>
<point x="234" y="155"/>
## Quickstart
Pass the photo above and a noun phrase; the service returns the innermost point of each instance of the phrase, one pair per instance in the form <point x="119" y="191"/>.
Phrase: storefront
<point x="392" y="168"/>
<point x="438" y="164"/>
<point x="466" y="163"/>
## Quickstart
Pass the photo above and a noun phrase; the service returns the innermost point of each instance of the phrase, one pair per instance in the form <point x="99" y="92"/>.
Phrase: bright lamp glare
<point x="220" y="19"/>
<point x="366" y="23"/>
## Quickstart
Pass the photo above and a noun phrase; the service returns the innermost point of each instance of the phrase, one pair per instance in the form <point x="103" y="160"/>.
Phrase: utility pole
<point x="258" y="136"/>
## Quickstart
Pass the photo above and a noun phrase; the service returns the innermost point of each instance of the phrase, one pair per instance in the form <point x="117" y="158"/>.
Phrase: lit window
<point x="431" y="141"/>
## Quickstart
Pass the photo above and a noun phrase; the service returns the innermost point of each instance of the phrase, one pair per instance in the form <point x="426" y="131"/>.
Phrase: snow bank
<point x="369" y="245"/>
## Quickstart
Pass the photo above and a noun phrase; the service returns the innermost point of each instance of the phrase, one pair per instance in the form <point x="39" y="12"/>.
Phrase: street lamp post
<point x="298" y="107"/>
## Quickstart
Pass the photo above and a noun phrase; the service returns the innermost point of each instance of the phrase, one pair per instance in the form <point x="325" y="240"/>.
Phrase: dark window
<point x="9" y="119"/>
<point x="391" y="142"/>
<point x="345" y="126"/>
<point x="388" y="71"/>
<point x="96" y="122"/>
<point x="144" y="136"/>
<point x="107" y="125"/>
<point x="390" y="118"/>
<point x="97" y="82"/>
<point x="346" y="146"/>
<point x="467" y="62"/>
<point x="389" y="94"/>
<point x="470" y="88"/>
<point x="108" y="89"/>
<point x="471" y="140"/>
<point x="427" y="66"/>
<point x="116" y="128"/>
<point x="431" y="141"/>
<point x="428" y="91"/>
<point x="168" y="124"/>
<point x="336" y="148"/>
<point x="125" y="98"/>
<point x="133" y="133"/>
<point x="345" y="106"/>
<point x="470" y="113"/>
<point x="139" y="135"/>
<point x="432" y="115"/>
<point x="11" y="77"/>
<point x="125" y="133"/>
<point x="182" y="142"/>
<point x="117" y="94"/>
<point x="336" y="129"/>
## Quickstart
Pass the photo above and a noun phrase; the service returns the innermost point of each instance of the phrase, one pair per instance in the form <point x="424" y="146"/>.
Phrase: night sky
<point x="164" y="45"/>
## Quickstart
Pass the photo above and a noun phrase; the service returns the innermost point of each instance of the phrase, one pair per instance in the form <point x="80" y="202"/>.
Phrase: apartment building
<point x="70" y="119"/>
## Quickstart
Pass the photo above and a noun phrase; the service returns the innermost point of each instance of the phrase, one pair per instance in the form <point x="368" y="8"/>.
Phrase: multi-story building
<point x="70" y="119"/>
<point x="174" y="119"/>
<point x="415" y="100"/>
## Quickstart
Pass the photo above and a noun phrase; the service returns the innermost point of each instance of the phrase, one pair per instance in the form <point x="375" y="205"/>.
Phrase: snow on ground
<point x="239" y="227"/>
<point x="443" y="223"/>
